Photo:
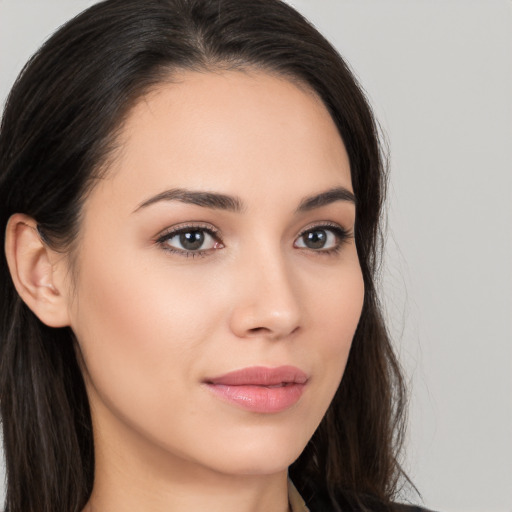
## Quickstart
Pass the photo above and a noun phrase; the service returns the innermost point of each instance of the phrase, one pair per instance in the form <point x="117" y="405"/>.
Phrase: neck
<point x="124" y="491"/>
<point x="132" y="475"/>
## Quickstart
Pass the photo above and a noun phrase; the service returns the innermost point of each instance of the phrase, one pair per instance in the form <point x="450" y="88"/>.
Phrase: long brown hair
<point x="59" y="127"/>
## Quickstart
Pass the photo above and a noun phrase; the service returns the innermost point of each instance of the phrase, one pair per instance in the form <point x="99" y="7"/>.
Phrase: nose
<point x="267" y="299"/>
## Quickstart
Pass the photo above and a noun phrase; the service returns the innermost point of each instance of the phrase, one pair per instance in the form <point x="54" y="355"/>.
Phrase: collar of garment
<point x="297" y="504"/>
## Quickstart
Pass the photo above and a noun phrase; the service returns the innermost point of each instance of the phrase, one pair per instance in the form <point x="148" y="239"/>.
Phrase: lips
<point x="260" y="389"/>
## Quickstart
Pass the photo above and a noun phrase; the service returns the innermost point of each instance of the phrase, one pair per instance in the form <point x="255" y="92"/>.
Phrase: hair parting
<point x="58" y="132"/>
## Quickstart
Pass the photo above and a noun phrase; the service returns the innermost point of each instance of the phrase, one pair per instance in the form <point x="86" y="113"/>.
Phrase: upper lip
<point x="261" y="376"/>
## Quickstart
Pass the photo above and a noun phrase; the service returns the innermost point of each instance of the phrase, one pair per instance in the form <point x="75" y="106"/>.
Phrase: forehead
<point x="235" y="132"/>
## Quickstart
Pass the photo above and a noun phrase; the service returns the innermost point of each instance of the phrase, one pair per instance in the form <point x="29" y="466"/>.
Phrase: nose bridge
<point x="267" y="300"/>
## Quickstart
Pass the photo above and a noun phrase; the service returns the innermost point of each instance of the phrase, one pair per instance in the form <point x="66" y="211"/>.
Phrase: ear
<point x="37" y="271"/>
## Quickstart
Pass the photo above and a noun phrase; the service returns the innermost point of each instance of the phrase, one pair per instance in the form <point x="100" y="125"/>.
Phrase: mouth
<point x="260" y="389"/>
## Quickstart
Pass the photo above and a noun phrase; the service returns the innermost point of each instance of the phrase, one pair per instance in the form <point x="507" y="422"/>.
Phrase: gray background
<point x="439" y="74"/>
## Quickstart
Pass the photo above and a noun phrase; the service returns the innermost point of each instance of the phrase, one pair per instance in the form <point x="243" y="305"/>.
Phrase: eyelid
<point x="341" y="233"/>
<point x="181" y="228"/>
<point x="338" y="228"/>
<point x="178" y="229"/>
<point x="322" y="224"/>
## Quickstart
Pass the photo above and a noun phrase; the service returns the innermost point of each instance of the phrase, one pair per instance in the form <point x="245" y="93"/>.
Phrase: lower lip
<point x="262" y="399"/>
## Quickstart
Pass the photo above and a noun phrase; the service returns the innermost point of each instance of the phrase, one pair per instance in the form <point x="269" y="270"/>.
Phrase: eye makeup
<point x="200" y="239"/>
<point x="323" y="238"/>
<point x="192" y="238"/>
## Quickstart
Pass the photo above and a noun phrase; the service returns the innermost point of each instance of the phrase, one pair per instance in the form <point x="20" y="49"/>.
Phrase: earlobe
<point x="34" y="271"/>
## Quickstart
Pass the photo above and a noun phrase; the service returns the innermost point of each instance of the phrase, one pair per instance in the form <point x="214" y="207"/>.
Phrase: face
<point x="218" y="286"/>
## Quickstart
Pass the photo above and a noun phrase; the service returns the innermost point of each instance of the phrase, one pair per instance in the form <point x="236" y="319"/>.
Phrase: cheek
<point x="336" y="312"/>
<point x="141" y="331"/>
<point x="146" y="332"/>
<point x="335" y="306"/>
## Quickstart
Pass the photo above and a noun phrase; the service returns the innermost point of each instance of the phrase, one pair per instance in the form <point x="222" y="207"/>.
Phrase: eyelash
<point x="340" y="233"/>
<point x="171" y="233"/>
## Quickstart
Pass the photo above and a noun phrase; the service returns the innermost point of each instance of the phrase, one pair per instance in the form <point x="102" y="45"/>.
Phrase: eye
<point x="190" y="240"/>
<point x="322" y="238"/>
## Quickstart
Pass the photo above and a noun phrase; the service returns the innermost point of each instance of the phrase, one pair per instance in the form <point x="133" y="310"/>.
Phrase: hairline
<point x="113" y="147"/>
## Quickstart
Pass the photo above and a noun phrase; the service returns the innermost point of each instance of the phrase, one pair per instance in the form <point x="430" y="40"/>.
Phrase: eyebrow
<point x="217" y="201"/>
<point x="211" y="200"/>
<point x="323" y="199"/>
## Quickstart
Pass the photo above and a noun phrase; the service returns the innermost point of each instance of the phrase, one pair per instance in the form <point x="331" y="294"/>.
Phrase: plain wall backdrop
<point x="439" y="74"/>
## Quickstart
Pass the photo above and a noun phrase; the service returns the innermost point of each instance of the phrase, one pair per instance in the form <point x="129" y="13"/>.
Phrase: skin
<point x="153" y="324"/>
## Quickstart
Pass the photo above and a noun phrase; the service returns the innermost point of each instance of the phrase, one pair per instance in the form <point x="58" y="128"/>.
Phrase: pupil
<point x="316" y="239"/>
<point x="192" y="240"/>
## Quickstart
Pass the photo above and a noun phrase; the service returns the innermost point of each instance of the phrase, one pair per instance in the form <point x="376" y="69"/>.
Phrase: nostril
<point x="259" y="330"/>
<point x="267" y="332"/>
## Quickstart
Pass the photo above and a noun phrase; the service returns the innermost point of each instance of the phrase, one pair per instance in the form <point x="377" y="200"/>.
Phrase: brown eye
<point x="321" y="238"/>
<point x="315" y="239"/>
<point x="190" y="240"/>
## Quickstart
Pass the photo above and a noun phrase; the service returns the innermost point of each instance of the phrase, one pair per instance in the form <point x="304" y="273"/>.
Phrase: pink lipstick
<point x="260" y="389"/>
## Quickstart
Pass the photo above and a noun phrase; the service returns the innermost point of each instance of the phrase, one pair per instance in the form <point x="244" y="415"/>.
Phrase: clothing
<point x="297" y="504"/>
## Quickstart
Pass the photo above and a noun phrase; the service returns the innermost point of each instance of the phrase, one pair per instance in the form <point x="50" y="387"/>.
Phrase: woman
<point x="190" y="195"/>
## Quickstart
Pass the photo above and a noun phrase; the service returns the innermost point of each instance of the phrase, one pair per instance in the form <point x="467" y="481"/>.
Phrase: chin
<point x="261" y="454"/>
<point x="257" y="465"/>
